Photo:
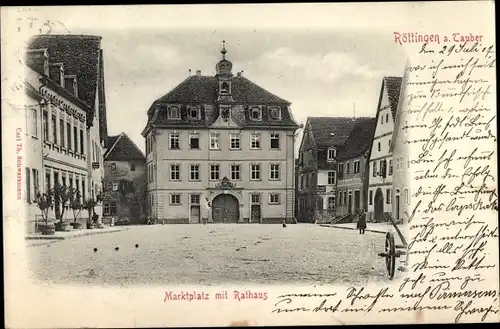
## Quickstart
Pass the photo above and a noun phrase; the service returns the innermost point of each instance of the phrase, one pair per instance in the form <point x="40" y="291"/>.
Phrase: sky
<point x="320" y="73"/>
<point x="332" y="71"/>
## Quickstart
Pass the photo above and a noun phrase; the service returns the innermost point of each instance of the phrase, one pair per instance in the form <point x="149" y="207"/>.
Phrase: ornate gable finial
<point x="223" y="51"/>
<point x="225" y="183"/>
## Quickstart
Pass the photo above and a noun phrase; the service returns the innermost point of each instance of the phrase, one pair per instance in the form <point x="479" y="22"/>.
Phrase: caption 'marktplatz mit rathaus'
<point x="220" y="149"/>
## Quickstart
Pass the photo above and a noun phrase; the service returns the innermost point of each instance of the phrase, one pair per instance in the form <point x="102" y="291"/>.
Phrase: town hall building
<point x="220" y="149"/>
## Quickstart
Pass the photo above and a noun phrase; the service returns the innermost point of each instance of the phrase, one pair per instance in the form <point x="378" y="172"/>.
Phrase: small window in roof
<point x="275" y="113"/>
<point x="256" y="113"/>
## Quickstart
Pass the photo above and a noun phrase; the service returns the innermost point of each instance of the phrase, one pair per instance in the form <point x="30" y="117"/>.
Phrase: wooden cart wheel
<point x="390" y="251"/>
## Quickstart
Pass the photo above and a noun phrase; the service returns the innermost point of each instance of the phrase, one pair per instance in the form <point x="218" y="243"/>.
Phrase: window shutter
<point x="28" y="185"/>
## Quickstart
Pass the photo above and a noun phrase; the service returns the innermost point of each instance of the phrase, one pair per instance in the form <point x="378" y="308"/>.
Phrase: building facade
<point x="381" y="159"/>
<point x="353" y="169"/>
<point x="125" y="181"/>
<point x="221" y="149"/>
<point x="324" y="140"/>
<point x="65" y="117"/>
<point x="401" y="173"/>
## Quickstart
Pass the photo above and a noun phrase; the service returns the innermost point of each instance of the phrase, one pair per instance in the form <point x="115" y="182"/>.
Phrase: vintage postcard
<point x="249" y="165"/>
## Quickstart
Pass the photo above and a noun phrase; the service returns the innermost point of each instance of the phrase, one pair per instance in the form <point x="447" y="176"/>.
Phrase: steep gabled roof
<point x="203" y="89"/>
<point x="332" y="131"/>
<point x="393" y="87"/>
<point x="123" y="149"/>
<point x="80" y="56"/>
<point x="359" y="140"/>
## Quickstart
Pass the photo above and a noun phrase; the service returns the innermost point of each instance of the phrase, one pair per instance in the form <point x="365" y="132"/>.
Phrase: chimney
<point x="38" y="60"/>
<point x="238" y="74"/>
<point x="198" y="73"/>
<point x="56" y="73"/>
<point x="71" y="84"/>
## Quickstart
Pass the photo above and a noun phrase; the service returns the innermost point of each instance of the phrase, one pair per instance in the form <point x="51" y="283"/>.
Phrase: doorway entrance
<point x="349" y="202"/>
<point x="379" y="205"/>
<point x="225" y="209"/>
<point x="397" y="207"/>
<point x="357" y="200"/>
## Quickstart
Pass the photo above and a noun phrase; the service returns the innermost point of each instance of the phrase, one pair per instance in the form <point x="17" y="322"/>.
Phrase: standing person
<point x="361" y="221"/>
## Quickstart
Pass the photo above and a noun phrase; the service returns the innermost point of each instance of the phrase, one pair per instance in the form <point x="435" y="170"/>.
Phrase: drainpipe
<point x="44" y="82"/>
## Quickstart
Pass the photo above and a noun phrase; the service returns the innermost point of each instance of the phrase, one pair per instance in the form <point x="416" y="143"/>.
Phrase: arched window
<point x="224" y="88"/>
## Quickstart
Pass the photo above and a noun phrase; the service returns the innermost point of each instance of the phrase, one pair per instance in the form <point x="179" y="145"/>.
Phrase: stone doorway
<point x="225" y="209"/>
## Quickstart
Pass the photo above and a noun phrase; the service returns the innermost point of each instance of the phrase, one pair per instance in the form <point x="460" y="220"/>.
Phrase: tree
<point x="75" y="203"/>
<point x="44" y="201"/>
<point x="89" y="204"/>
<point x="61" y="195"/>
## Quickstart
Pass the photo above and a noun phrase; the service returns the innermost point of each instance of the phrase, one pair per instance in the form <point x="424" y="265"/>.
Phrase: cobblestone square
<point x="213" y="255"/>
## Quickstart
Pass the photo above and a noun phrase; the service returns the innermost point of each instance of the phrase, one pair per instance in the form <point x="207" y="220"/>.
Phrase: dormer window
<point x="256" y="113"/>
<point x="331" y="154"/>
<point x="224" y="88"/>
<point x="193" y="113"/>
<point x="275" y="113"/>
<point x="174" y="112"/>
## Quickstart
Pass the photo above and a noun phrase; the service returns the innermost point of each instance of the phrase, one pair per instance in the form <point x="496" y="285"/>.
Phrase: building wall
<point x="160" y="186"/>
<point x="350" y="182"/>
<point x="122" y="199"/>
<point x="380" y="151"/>
<point x="32" y="160"/>
<point x="401" y="178"/>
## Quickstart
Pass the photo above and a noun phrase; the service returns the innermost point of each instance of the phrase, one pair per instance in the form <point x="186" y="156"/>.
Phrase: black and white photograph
<point x="238" y="151"/>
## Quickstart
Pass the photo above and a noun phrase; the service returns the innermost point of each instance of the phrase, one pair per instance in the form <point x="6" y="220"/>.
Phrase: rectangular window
<point x="106" y="210"/>
<point x="214" y="172"/>
<point x="174" y="113"/>
<point x="195" y="199"/>
<point x="235" y="141"/>
<point x="340" y="168"/>
<point x="193" y="113"/>
<point x="235" y="172"/>
<point x="54" y="129"/>
<point x="370" y="198"/>
<point x="34" y="123"/>
<point x="112" y="211"/>
<point x="175" y="199"/>
<point x="36" y="183"/>
<point x="274" y="172"/>
<point x="356" y="166"/>
<point x="379" y="147"/>
<point x="175" y="172"/>
<point x="388" y="196"/>
<point x="255" y="171"/>
<point x="275" y="141"/>
<point x="45" y="122"/>
<point x="132" y="167"/>
<point x="47" y="182"/>
<point x="75" y="140"/>
<point x="332" y="153"/>
<point x="390" y="167"/>
<point x="274" y="198"/>
<point x="82" y="151"/>
<point x="214" y="141"/>
<point x="332" y="175"/>
<point x="345" y="198"/>
<point x="68" y="135"/>
<point x="255" y="141"/>
<point x="115" y="186"/>
<point x="194" y="141"/>
<point x="374" y="174"/>
<point x="174" y="141"/>
<point x="348" y="168"/>
<point x="255" y="198"/>
<point x="194" y="172"/>
<point x="83" y="188"/>
<point x="331" y="203"/>
<point x="61" y="132"/>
